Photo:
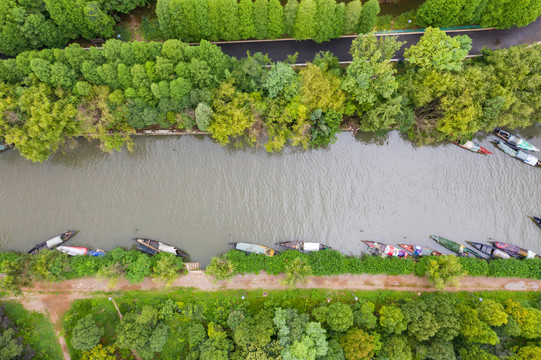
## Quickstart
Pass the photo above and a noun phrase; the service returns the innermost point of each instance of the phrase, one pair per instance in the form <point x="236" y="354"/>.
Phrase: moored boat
<point x="514" y="140"/>
<point x="455" y="247"/>
<point x="4" y="146"/>
<point x="303" y="245"/>
<point x="153" y="247"/>
<point x="514" y="250"/>
<point x="79" y="251"/>
<point x="489" y="250"/>
<point x="385" y="250"/>
<point x="253" y="248"/>
<point x="54" y="242"/>
<point x="517" y="153"/>
<point x="537" y="221"/>
<point x="419" y="250"/>
<point x="472" y="146"/>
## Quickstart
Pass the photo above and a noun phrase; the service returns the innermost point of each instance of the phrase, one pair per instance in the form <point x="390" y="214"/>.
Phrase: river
<point x="191" y="192"/>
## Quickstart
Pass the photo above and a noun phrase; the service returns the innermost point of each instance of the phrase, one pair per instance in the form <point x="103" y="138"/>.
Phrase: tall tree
<point x="246" y="19"/>
<point x="261" y="19"/>
<point x="305" y="22"/>
<point x="276" y="27"/>
<point x="290" y="13"/>
<point x="324" y="28"/>
<point x="369" y="17"/>
<point x="352" y="16"/>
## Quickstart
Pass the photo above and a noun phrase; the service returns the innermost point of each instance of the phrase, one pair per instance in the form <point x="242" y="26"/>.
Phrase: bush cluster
<point x="51" y="265"/>
<point x="332" y="262"/>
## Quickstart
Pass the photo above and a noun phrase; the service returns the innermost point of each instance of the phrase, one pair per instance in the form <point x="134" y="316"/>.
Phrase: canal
<point x="190" y="192"/>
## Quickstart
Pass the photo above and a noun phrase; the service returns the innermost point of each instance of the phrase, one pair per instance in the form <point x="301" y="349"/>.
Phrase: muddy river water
<point x="191" y="192"/>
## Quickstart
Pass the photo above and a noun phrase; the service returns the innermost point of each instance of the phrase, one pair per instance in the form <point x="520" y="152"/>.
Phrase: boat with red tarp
<point x="385" y="250"/>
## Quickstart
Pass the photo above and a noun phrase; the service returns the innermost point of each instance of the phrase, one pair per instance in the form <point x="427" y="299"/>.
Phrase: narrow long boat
<point x="385" y="250"/>
<point x="303" y="245"/>
<point x="253" y="248"/>
<point x="153" y="247"/>
<point x="514" y="140"/>
<point x="473" y="146"/>
<point x="514" y="250"/>
<point x="418" y="250"/>
<point x="54" y="242"/>
<point x="517" y="153"/>
<point x="491" y="251"/>
<point x="79" y="251"/>
<point x="455" y="247"/>
<point x="537" y="221"/>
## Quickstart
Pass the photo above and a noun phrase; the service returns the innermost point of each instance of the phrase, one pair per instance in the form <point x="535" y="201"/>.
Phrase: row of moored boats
<point x="510" y="144"/>
<point x="493" y="250"/>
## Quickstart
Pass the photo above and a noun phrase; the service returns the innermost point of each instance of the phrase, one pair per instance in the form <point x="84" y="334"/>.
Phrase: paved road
<point x="280" y="49"/>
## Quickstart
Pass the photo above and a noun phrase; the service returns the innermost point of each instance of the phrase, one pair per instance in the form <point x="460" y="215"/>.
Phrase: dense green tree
<point x="369" y="17"/>
<point x="261" y="19"/>
<point x="138" y="268"/>
<point x="10" y="348"/>
<point x="396" y="348"/>
<point x="440" y="350"/>
<point x="203" y="116"/>
<point x="475" y="330"/>
<point x="220" y="267"/>
<point x="276" y="26"/>
<point x="290" y="13"/>
<point x="474" y="352"/>
<point x="86" y="334"/>
<point x="312" y="345"/>
<point x="357" y="344"/>
<point x="305" y="22"/>
<point x="492" y="313"/>
<point x="339" y="18"/>
<point x="296" y="272"/>
<point x="324" y="27"/>
<point x="363" y="315"/>
<point x="392" y="319"/>
<point x="437" y="50"/>
<point x="281" y="81"/>
<point x="166" y="267"/>
<point x="443" y="13"/>
<point x="352" y="16"/>
<point x="320" y="89"/>
<point x="246" y="19"/>
<point x="444" y="271"/>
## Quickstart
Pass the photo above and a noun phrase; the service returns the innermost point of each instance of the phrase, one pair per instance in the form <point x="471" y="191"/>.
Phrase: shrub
<point x="203" y="115"/>
<point x="221" y="268"/>
<point x="297" y="271"/>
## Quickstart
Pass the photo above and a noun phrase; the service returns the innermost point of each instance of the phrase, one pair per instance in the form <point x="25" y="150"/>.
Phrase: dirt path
<point x="56" y="298"/>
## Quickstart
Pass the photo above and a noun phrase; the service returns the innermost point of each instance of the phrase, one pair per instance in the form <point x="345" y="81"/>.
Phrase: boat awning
<point x="527" y="158"/>
<point x="167" y="248"/>
<point x="252" y="248"/>
<point x="54" y="242"/>
<point x="310" y="246"/>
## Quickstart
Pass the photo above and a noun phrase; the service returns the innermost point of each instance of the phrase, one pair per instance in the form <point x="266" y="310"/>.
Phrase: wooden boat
<point x="385" y="250"/>
<point x="303" y="245"/>
<point x="537" y="221"/>
<point x="514" y="140"/>
<point x="418" y="250"/>
<point x="4" y="146"/>
<point x="489" y="250"/>
<point x="514" y="250"/>
<point x="54" y="242"/>
<point x="79" y="251"/>
<point x="455" y="247"/>
<point x="517" y="153"/>
<point x="253" y="248"/>
<point x="153" y="247"/>
<point x="473" y="146"/>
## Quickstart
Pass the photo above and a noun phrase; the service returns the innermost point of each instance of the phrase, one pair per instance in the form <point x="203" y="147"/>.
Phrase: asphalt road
<point x="278" y="50"/>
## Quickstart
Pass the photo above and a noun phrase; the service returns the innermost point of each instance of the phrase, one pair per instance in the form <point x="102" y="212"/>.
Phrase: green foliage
<point x="137" y="267"/>
<point x="492" y="313"/>
<point x="261" y="19"/>
<point x="352" y="16"/>
<point x="324" y="27"/>
<point x="305" y="22"/>
<point x="296" y="272"/>
<point x="49" y="265"/>
<point x="246" y="19"/>
<point x="437" y="50"/>
<point x="339" y="317"/>
<point x="444" y="271"/>
<point x="290" y="13"/>
<point x="357" y="344"/>
<point x="86" y="334"/>
<point x="392" y="320"/>
<point x="221" y="268"/>
<point x="369" y="17"/>
<point x="203" y="116"/>
<point x="166" y="267"/>
<point x="276" y="26"/>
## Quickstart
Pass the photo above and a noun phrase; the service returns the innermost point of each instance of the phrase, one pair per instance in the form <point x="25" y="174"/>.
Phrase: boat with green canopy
<point x="455" y="247"/>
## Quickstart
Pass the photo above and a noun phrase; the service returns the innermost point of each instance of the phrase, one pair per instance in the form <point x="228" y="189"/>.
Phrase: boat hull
<point x="514" y="250"/>
<point x="537" y="221"/>
<point x="418" y="250"/>
<point x="253" y="248"/>
<point x="303" y="246"/>
<point x="473" y="147"/>
<point x="514" y="140"/>
<point x="455" y="247"/>
<point x="54" y="242"/>
<point x="153" y="247"/>
<point x="385" y="250"/>
<point x="491" y="251"/>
